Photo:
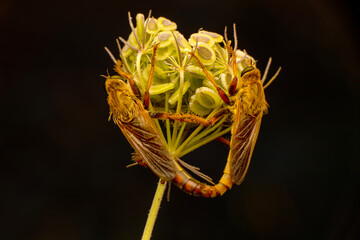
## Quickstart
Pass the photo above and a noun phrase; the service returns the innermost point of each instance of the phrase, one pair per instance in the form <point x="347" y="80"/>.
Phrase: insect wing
<point x="242" y="145"/>
<point x="145" y="139"/>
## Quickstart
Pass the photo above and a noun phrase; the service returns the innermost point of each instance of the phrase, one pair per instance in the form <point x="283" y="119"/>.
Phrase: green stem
<point x="178" y="108"/>
<point x="167" y="121"/>
<point x="138" y="69"/>
<point x="192" y="135"/>
<point x="211" y="138"/>
<point x="207" y="131"/>
<point x="180" y="135"/>
<point x="150" y="222"/>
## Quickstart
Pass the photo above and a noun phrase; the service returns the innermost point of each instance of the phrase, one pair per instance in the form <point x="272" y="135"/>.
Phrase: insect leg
<point x="196" y="188"/>
<point x="224" y="140"/>
<point x="233" y="84"/>
<point x="221" y="92"/>
<point x="191" y="118"/>
<point x="128" y="77"/>
<point x="146" y="97"/>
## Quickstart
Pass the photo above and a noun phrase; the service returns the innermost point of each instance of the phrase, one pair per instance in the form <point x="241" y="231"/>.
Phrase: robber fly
<point x="247" y="104"/>
<point x="129" y="113"/>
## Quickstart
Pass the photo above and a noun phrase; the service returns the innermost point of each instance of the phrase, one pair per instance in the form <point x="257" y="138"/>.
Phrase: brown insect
<point x="129" y="113"/>
<point x="248" y="109"/>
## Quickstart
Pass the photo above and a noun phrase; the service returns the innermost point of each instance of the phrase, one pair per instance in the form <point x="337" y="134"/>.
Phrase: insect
<point x="248" y="105"/>
<point x="128" y="112"/>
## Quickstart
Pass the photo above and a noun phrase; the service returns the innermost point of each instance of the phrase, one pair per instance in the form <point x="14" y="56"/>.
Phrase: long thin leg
<point x="190" y="118"/>
<point x="233" y="84"/>
<point x="224" y="140"/>
<point x="221" y="92"/>
<point x="146" y="97"/>
<point x="128" y="77"/>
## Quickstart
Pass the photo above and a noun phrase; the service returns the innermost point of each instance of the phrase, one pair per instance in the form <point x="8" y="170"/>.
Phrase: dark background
<point x="63" y="172"/>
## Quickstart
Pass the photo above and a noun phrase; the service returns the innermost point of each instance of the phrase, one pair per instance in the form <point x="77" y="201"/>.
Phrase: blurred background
<point x="62" y="172"/>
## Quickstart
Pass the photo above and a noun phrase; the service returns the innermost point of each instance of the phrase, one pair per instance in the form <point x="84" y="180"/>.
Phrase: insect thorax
<point x="252" y="98"/>
<point x="122" y="102"/>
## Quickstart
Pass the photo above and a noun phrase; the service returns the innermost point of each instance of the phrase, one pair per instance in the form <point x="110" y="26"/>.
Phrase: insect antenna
<point x="110" y="54"/>
<point x="273" y="78"/>
<point x="266" y="73"/>
<point x="266" y="70"/>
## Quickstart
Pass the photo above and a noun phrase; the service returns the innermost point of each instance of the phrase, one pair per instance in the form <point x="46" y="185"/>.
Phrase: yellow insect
<point x="128" y="112"/>
<point x="247" y="104"/>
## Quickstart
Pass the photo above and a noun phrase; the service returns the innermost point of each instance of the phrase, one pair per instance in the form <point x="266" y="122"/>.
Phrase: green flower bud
<point x="164" y="38"/>
<point x="208" y="98"/>
<point x="197" y="108"/>
<point x="205" y="53"/>
<point x="216" y="37"/>
<point x="201" y="38"/>
<point x="140" y="25"/>
<point x="152" y="26"/>
<point x="166" y="24"/>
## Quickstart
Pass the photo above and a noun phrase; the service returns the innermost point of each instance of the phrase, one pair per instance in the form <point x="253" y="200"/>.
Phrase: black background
<point x="63" y="172"/>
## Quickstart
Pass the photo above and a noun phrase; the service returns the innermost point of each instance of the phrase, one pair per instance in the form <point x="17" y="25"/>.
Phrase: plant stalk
<point x="150" y="222"/>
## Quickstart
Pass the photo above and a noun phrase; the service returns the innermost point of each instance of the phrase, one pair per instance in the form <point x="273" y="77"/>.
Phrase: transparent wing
<point x="242" y="145"/>
<point x="145" y="139"/>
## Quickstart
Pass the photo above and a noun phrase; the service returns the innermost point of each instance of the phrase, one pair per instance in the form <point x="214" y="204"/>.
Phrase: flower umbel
<point x="179" y="85"/>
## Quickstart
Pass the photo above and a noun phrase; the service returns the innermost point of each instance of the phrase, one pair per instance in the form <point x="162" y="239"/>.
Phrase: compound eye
<point x="247" y="69"/>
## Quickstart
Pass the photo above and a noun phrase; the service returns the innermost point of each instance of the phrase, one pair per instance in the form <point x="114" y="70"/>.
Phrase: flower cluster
<point x="180" y="80"/>
<point x="198" y="94"/>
